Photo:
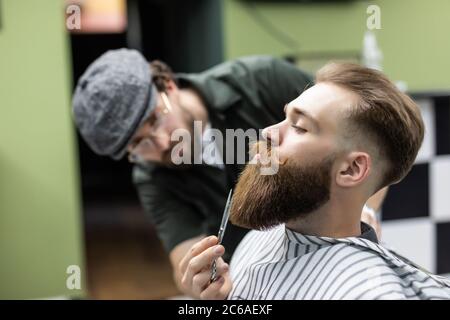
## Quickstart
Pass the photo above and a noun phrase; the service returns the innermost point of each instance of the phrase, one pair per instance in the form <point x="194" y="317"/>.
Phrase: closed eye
<point x="299" y="129"/>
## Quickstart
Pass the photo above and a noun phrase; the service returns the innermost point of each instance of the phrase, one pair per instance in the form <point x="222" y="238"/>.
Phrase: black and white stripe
<point x="282" y="264"/>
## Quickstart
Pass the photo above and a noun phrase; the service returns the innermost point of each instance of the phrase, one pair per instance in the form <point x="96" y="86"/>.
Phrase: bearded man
<point x="343" y="139"/>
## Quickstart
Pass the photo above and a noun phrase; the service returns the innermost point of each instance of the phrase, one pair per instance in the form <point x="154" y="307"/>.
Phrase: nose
<point x="272" y="134"/>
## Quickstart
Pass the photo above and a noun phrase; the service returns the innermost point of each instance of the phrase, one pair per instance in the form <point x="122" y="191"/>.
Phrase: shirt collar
<point x="218" y="95"/>
<point x="367" y="232"/>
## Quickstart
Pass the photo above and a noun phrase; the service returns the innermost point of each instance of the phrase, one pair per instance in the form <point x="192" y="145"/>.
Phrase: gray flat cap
<point x="112" y="99"/>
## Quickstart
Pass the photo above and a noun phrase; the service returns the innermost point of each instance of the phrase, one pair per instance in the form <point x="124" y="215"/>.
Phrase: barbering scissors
<point x="223" y="225"/>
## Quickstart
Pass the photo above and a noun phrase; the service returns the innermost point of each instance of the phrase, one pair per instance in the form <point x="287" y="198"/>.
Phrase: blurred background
<point x="61" y="205"/>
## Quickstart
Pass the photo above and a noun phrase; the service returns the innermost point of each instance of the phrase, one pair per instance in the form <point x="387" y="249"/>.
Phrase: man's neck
<point x="333" y="220"/>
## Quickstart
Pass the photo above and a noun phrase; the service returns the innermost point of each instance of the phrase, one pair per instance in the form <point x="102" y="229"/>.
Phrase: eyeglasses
<point x="156" y="119"/>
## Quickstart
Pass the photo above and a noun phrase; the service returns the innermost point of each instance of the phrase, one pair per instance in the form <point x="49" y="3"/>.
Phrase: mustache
<point x="266" y="154"/>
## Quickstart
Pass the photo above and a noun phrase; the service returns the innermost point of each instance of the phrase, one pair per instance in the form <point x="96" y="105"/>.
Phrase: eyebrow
<point x="303" y="113"/>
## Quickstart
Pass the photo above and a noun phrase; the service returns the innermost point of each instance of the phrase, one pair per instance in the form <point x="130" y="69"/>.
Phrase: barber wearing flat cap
<point x="125" y="106"/>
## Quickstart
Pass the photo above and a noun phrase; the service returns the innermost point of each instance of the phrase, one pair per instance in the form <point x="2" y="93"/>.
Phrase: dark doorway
<point x="188" y="36"/>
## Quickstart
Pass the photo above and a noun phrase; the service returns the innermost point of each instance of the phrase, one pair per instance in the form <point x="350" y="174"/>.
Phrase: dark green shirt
<point x="246" y="93"/>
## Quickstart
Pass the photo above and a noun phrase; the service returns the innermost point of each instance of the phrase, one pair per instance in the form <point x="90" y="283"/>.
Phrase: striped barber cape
<point x="283" y="264"/>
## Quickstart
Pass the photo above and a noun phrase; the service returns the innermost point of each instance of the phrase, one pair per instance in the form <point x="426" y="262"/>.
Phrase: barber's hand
<point x="195" y="269"/>
<point x="375" y="202"/>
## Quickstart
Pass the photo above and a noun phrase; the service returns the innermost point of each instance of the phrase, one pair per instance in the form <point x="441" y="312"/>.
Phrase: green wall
<point x="413" y="38"/>
<point x="40" y="220"/>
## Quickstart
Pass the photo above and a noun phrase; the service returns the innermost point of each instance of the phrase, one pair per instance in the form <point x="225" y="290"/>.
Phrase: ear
<point x="354" y="169"/>
<point x="171" y="86"/>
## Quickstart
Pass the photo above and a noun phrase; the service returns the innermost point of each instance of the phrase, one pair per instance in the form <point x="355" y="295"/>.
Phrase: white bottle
<point x="372" y="56"/>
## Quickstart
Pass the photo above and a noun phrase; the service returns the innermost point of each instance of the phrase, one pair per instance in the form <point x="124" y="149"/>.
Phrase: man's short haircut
<point x="384" y="114"/>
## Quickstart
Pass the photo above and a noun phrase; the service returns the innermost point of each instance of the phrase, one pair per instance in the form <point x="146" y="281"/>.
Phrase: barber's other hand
<point x="195" y="269"/>
<point x="370" y="218"/>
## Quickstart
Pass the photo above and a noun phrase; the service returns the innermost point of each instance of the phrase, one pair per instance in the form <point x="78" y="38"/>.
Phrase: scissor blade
<point x="223" y="225"/>
<point x="226" y="214"/>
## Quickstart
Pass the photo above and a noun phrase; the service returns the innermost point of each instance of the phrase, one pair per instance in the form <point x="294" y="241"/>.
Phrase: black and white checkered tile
<point x="416" y="212"/>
